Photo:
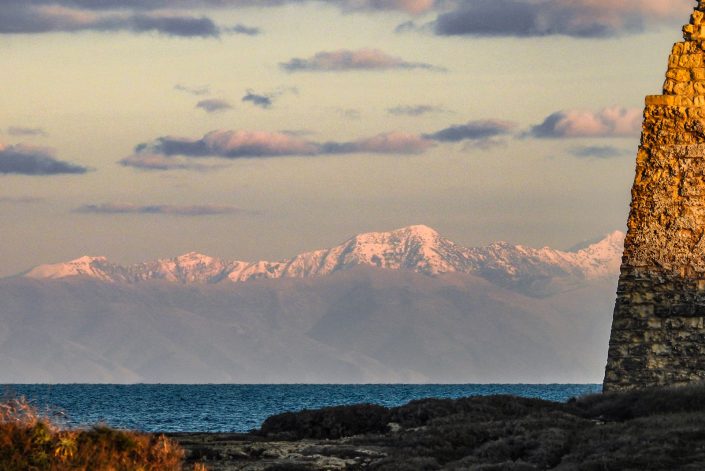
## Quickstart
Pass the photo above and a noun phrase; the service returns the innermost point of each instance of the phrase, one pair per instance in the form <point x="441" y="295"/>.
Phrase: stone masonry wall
<point x="658" y="331"/>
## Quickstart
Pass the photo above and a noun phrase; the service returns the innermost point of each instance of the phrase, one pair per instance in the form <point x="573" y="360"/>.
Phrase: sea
<point x="239" y="407"/>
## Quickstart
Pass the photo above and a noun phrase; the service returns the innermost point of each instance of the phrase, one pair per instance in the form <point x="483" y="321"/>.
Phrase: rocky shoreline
<point x="654" y="429"/>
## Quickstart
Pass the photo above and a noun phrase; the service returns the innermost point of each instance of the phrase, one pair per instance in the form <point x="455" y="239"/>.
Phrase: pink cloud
<point x="68" y="17"/>
<point x="408" y="6"/>
<point x="345" y="59"/>
<point x="168" y="153"/>
<point x="608" y="122"/>
<point x="256" y="143"/>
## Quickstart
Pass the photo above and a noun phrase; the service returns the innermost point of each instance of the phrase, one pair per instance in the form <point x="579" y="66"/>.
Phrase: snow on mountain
<point x="93" y="267"/>
<point x="602" y="258"/>
<point x="189" y="268"/>
<point x="416" y="248"/>
<point x="519" y="266"/>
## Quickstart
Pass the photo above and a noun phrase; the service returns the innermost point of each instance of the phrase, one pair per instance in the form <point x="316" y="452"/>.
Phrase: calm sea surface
<point x="239" y="408"/>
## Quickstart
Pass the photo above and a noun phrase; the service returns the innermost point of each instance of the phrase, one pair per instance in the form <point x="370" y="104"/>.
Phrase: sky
<point x="257" y="130"/>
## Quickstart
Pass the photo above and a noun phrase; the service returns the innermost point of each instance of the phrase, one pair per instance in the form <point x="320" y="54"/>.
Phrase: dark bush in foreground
<point x="329" y="423"/>
<point x="289" y="467"/>
<point x="643" y="403"/>
<point x="28" y="442"/>
<point x="657" y="429"/>
<point x="421" y="412"/>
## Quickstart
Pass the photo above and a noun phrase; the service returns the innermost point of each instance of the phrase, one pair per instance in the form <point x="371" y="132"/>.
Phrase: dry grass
<point x="28" y="441"/>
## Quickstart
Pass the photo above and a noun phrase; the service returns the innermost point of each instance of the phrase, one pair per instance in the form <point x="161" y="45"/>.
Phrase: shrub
<point x="642" y="403"/>
<point x="328" y="423"/>
<point x="28" y="441"/>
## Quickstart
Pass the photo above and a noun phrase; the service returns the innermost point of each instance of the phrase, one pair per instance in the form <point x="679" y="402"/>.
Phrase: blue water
<point x="239" y="408"/>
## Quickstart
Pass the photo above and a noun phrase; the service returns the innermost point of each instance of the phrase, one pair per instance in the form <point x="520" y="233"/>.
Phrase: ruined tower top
<point x="658" y="330"/>
<point x="695" y="30"/>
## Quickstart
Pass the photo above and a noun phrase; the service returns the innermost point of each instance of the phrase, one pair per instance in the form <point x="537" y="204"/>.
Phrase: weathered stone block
<point x="690" y="61"/>
<point x="684" y="88"/>
<point x="679" y="75"/>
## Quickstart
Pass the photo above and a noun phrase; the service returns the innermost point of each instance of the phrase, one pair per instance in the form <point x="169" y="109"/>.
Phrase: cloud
<point x="261" y="101"/>
<point x="412" y="26"/>
<point x="214" y="105"/>
<point x="415" y="110"/>
<point x="230" y="144"/>
<point x="26" y="18"/>
<point x="298" y="132"/>
<point x="139" y="16"/>
<point x="170" y="25"/>
<point x="473" y="131"/>
<point x="198" y="91"/>
<point x="168" y="153"/>
<point x="148" y="161"/>
<point x="27" y="132"/>
<point x="483" y="134"/>
<point x="23" y="159"/>
<point x="266" y="100"/>
<point x="346" y="60"/>
<point x="597" y="152"/>
<point x="484" y="144"/>
<point x="608" y="122"/>
<point x="125" y="208"/>
<point x="246" y="30"/>
<point x="387" y="143"/>
<point x="576" y="18"/>
<point x="407" y="6"/>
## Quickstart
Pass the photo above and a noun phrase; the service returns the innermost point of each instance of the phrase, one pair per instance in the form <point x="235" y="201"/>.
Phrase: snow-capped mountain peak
<point x="188" y="268"/>
<point x="84" y="266"/>
<point x="194" y="257"/>
<point x="604" y="257"/>
<point x="417" y="248"/>
<point x="608" y="246"/>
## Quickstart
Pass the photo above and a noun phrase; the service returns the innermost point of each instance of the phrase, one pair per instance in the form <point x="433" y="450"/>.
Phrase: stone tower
<point x="658" y="331"/>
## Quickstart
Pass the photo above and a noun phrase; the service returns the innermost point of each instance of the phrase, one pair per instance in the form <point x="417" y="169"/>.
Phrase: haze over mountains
<point x="401" y="306"/>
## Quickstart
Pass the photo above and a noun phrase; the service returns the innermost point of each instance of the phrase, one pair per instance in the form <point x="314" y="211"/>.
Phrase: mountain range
<point x="402" y="306"/>
<point x="416" y="248"/>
